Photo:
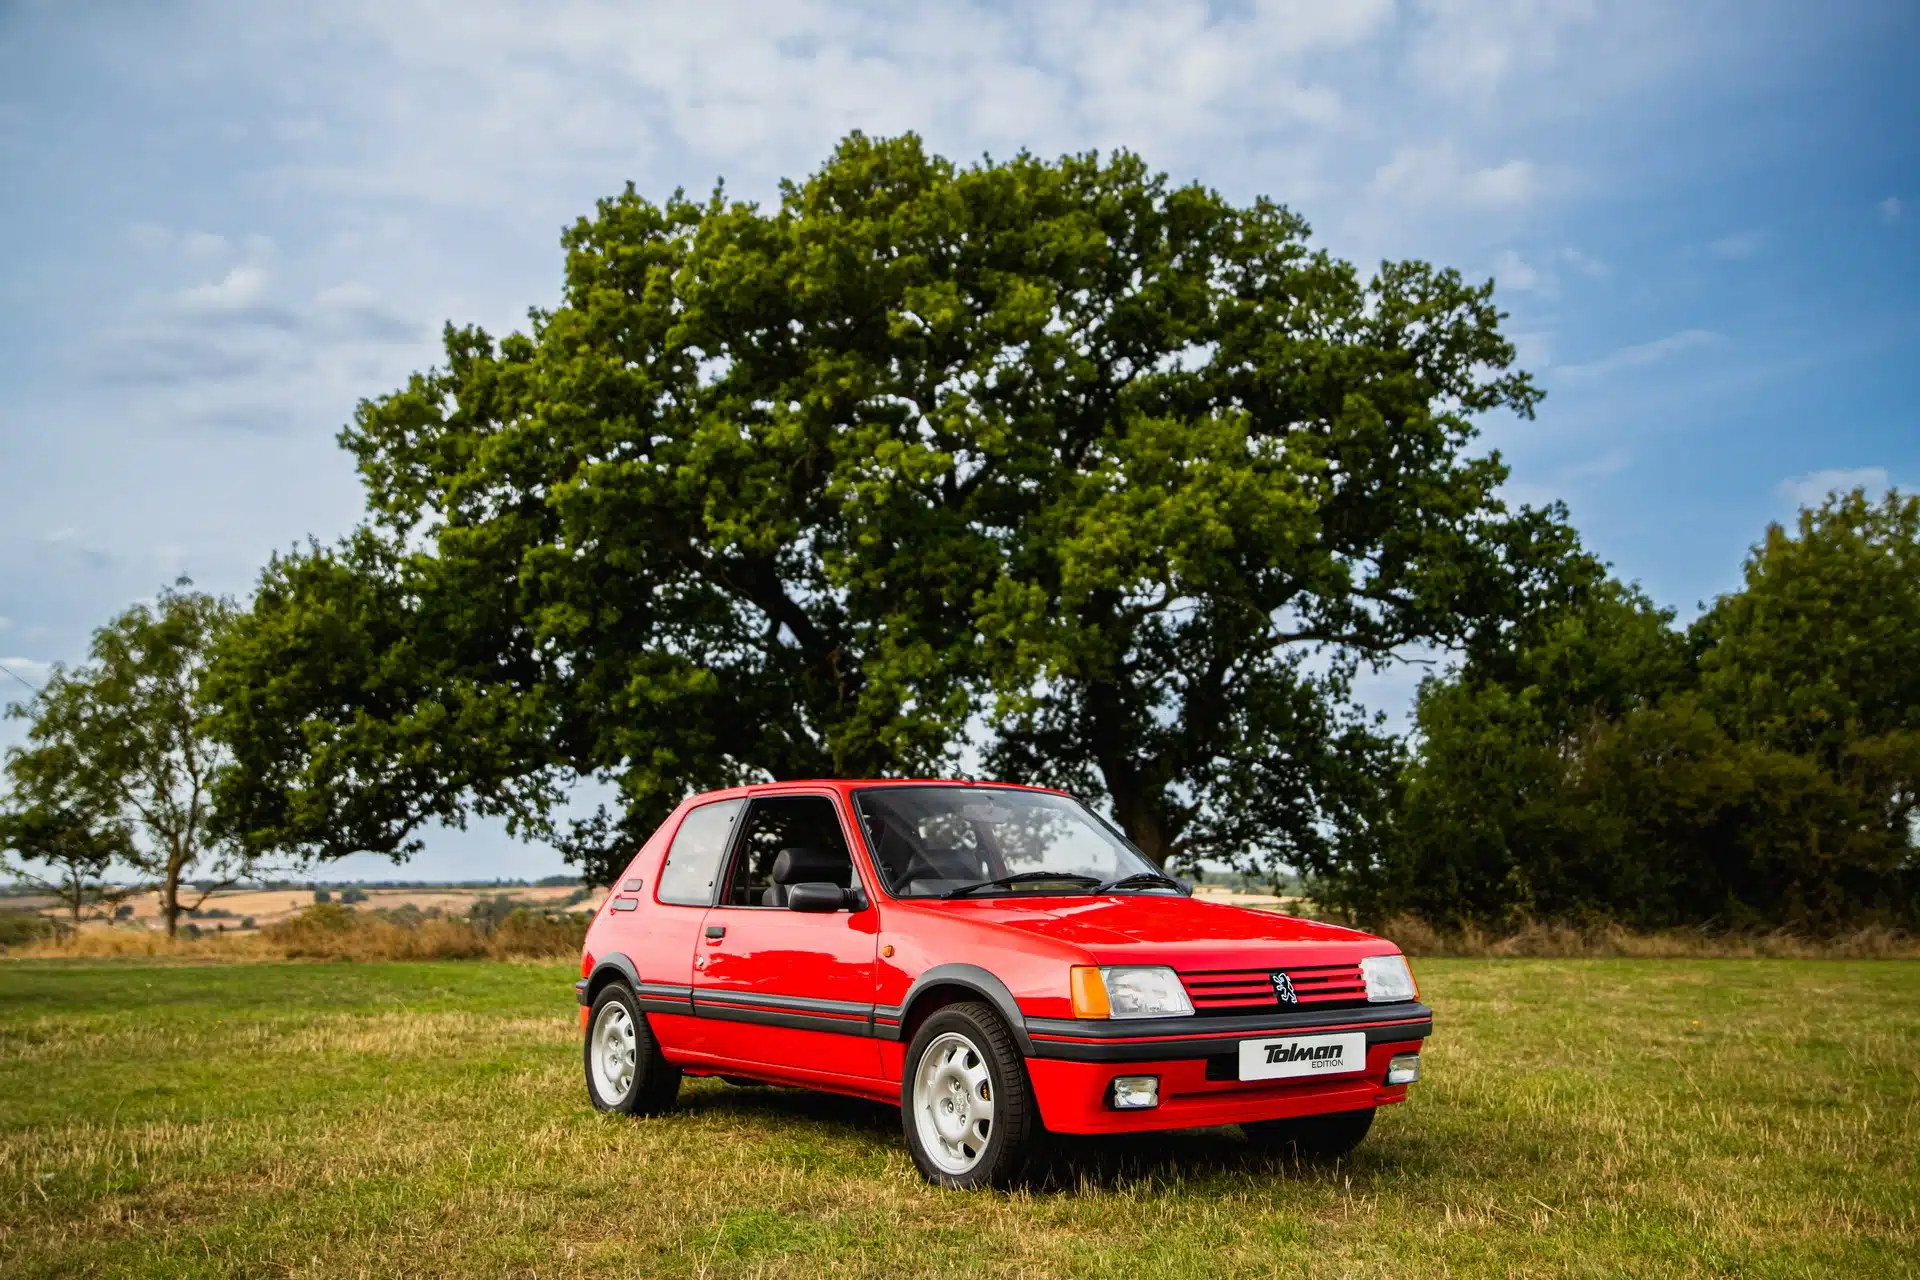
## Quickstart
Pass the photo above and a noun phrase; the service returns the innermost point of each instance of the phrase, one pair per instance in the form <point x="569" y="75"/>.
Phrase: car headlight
<point x="1389" y="981"/>
<point x="1129" y="991"/>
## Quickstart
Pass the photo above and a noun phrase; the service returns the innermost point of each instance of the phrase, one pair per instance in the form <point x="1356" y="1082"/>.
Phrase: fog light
<point x="1135" y="1093"/>
<point x="1404" y="1069"/>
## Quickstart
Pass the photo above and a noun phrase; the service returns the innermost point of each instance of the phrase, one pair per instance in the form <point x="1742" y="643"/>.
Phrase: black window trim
<point x="738" y="840"/>
<point x="725" y="855"/>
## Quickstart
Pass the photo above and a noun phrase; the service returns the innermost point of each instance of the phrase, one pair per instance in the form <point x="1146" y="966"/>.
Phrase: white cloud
<point x="1533" y="351"/>
<point x="6" y="624"/>
<point x="1811" y="490"/>
<point x="1511" y="271"/>
<point x="152" y="237"/>
<point x="1739" y="245"/>
<point x="1592" y="268"/>
<point x="241" y="289"/>
<point x="1473" y="47"/>
<point x="1436" y="175"/>
<point x="1642" y="354"/>
<point x="32" y="671"/>
<point x="1890" y="210"/>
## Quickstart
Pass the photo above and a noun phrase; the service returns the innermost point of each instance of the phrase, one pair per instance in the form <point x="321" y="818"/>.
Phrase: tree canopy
<point x="117" y="765"/>
<point x="1761" y="768"/>
<point x="1117" y="474"/>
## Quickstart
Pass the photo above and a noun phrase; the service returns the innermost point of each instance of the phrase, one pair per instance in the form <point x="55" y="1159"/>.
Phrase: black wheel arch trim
<point x="971" y="977"/>
<point x="652" y="997"/>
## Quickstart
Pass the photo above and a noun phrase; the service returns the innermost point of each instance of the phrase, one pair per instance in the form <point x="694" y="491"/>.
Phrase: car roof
<point x="844" y="785"/>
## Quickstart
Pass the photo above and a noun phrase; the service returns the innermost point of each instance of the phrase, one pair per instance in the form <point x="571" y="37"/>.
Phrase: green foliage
<point x="1123" y="468"/>
<point x="1761" y="770"/>
<point x="20" y="927"/>
<point x="62" y="846"/>
<point x="1820" y="652"/>
<point x="117" y="763"/>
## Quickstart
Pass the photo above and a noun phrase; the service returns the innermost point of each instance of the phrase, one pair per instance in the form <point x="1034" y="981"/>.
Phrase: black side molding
<point x="802" y="1013"/>
<point x="1272" y="1022"/>
<point x="1206" y="1047"/>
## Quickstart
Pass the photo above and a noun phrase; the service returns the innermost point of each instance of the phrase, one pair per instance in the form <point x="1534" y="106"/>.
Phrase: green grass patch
<point x="1580" y="1117"/>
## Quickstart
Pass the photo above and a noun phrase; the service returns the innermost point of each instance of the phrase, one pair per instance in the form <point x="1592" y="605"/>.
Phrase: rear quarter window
<point x="693" y="861"/>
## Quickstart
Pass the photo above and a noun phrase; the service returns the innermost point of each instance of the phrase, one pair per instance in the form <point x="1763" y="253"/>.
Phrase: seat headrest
<point x="804" y="866"/>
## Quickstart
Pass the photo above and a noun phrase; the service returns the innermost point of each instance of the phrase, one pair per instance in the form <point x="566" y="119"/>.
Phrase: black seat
<point x="800" y="865"/>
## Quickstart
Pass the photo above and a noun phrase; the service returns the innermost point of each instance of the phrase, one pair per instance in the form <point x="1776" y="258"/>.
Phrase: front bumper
<point x="1073" y="1065"/>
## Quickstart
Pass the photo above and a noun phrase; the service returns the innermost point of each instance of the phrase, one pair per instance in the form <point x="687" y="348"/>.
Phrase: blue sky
<point x="225" y="223"/>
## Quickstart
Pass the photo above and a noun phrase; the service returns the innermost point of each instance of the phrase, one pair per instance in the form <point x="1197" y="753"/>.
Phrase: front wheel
<point x="965" y="1101"/>
<point x="1325" y="1137"/>
<point x="625" y="1069"/>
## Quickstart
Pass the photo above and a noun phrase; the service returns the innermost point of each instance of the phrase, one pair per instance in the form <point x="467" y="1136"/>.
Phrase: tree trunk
<point x="1134" y="809"/>
<point x="1133" y="796"/>
<point x="170" y="897"/>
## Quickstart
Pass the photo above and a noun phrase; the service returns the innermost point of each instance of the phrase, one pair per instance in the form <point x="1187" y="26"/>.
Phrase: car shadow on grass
<point x="1059" y="1162"/>
<point x="772" y="1102"/>
<point x="1074" y="1162"/>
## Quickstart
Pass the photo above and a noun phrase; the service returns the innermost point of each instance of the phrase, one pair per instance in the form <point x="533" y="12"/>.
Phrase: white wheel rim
<point x="614" y="1052"/>
<point x="953" y="1103"/>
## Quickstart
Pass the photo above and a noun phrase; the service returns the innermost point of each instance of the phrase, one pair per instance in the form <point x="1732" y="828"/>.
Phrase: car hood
<point x="1187" y="933"/>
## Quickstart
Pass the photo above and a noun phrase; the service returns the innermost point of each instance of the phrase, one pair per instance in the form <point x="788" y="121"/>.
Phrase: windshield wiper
<point x="1141" y="880"/>
<point x="1025" y="877"/>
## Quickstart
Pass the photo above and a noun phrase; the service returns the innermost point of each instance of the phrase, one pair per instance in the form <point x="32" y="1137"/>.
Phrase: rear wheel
<point x="1311" y="1137"/>
<point x="625" y="1069"/>
<point x="965" y="1101"/>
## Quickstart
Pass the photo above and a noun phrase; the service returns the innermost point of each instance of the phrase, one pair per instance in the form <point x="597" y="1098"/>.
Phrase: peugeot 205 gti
<point x="995" y="960"/>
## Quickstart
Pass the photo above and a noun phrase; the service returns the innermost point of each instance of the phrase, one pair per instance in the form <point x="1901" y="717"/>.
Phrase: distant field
<point x="1592" y="1118"/>
<point x="270" y="906"/>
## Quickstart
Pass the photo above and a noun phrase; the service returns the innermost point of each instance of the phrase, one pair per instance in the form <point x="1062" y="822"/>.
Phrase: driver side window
<point x="807" y="829"/>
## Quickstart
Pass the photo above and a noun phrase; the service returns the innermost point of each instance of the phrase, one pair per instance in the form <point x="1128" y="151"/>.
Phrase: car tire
<point x="1325" y="1137"/>
<point x="626" y="1071"/>
<point x="966" y="1104"/>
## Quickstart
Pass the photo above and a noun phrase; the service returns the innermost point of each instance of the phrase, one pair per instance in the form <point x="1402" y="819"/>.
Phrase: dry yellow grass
<point x="271" y="906"/>
<point x="328" y="931"/>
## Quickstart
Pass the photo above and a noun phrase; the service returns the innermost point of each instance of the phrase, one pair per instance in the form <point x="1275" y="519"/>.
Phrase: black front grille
<point x="1240" y="991"/>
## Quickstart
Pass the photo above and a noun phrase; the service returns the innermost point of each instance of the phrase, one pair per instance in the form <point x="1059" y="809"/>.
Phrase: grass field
<point x="1615" y="1117"/>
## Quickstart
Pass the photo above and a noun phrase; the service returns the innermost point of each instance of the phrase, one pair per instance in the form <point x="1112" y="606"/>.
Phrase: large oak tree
<point x="1120" y="476"/>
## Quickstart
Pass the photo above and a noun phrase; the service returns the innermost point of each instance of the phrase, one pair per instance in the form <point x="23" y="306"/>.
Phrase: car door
<point x="663" y="939"/>
<point x="789" y="993"/>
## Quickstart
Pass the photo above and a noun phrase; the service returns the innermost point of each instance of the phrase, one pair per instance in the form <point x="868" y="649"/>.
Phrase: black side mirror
<point x="816" y="897"/>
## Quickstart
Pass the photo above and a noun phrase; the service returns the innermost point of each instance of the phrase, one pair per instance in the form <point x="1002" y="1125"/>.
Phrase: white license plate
<point x="1284" y="1057"/>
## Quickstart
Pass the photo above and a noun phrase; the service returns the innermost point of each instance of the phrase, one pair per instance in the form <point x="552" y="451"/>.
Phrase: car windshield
<point x="932" y="842"/>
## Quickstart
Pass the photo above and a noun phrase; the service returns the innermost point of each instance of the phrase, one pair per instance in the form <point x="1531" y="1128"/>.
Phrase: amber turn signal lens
<point x="1089" y="993"/>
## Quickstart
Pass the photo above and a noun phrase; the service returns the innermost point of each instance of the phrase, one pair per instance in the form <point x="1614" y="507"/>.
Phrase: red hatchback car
<point x="994" y="960"/>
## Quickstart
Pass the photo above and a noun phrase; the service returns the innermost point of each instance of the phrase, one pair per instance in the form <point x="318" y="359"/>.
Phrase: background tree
<point x="1760" y="769"/>
<point x="116" y="759"/>
<point x="1127" y="469"/>
<point x="60" y="849"/>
